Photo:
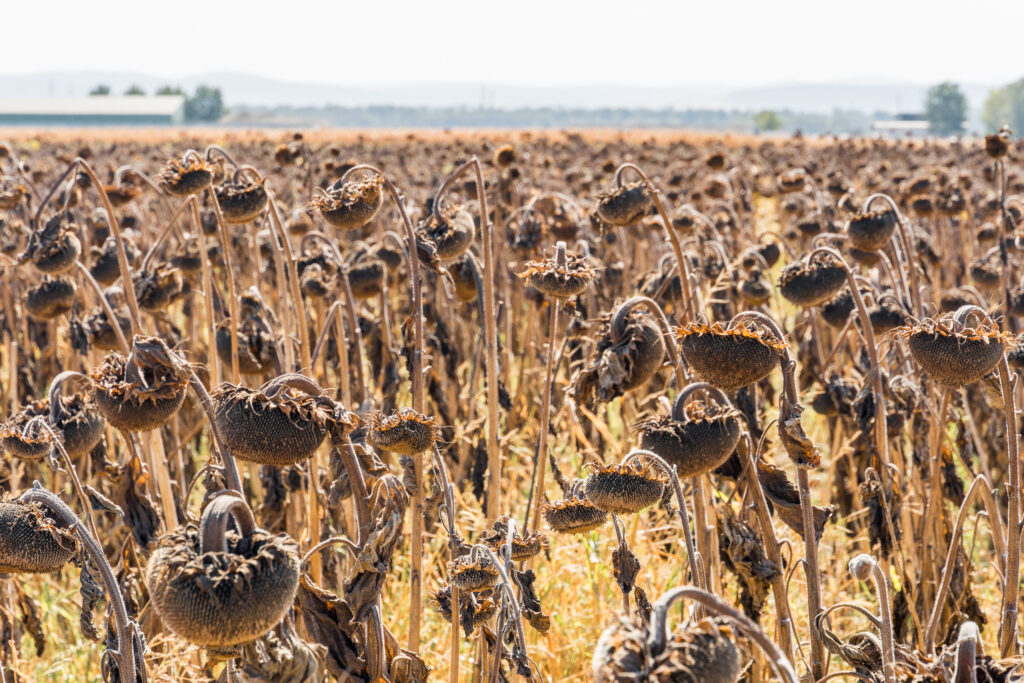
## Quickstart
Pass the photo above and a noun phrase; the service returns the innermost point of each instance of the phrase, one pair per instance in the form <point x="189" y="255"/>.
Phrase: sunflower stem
<point x="539" y="461"/>
<point x="127" y="630"/>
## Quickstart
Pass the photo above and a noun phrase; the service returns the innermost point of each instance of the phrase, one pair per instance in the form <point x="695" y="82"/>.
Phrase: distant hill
<point x="256" y="91"/>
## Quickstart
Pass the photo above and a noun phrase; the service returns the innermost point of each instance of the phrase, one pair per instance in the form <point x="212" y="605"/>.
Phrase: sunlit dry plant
<point x="352" y="205"/>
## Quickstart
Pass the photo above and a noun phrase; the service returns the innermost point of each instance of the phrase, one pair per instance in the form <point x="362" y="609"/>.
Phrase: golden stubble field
<point x="286" y="459"/>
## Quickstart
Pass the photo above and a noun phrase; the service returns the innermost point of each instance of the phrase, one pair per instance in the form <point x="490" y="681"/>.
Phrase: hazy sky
<point x="526" y="42"/>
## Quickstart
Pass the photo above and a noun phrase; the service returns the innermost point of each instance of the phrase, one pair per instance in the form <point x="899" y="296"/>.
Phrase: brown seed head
<point x="352" y="205"/>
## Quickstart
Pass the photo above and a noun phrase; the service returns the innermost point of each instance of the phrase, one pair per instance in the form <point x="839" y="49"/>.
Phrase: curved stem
<point x="126" y="629"/>
<point x="977" y="486"/>
<point x="115" y="324"/>
<point x="76" y="483"/>
<point x="162" y="237"/>
<point x="684" y="518"/>
<point x="291" y="380"/>
<point x="783" y="618"/>
<point x="490" y="329"/>
<point x="508" y="593"/>
<point x="8" y="151"/>
<point x="342" y="344"/>
<point x="418" y="404"/>
<point x="864" y="611"/>
<point x="214" y="523"/>
<point x="361" y="496"/>
<point x="49" y="195"/>
<point x="909" y="248"/>
<point x="350" y="308"/>
<point x="122" y="257"/>
<point x="778" y="660"/>
<point x="683" y="396"/>
<point x="681" y="261"/>
<point x="231" y="477"/>
<point x="539" y="462"/>
<point x="333" y="540"/>
<point x="863" y="567"/>
<point x="790" y="403"/>
<point x="210" y="149"/>
<point x="881" y="436"/>
<point x="229" y="272"/>
<point x="1011" y="578"/>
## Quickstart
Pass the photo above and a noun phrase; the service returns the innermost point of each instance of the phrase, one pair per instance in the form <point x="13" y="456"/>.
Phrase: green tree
<point x="1005" y="106"/>
<point x="205" y="105"/>
<point x="169" y="90"/>
<point x="135" y="90"/>
<point x="945" y="107"/>
<point x="100" y="90"/>
<point x="767" y="121"/>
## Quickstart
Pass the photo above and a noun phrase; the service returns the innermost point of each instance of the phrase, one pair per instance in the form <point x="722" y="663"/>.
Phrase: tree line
<point x="945" y="109"/>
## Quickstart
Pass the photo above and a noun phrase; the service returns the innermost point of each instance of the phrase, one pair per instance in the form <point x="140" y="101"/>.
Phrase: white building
<point x="95" y="110"/>
<point x="904" y="126"/>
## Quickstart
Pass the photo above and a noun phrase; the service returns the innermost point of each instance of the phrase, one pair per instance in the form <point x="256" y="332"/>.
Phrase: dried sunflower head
<point x="700" y="442"/>
<point x="573" y="514"/>
<point x="157" y="288"/>
<point x="405" y="432"/>
<point x="624" y="488"/>
<point x="754" y="290"/>
<point x="473" y="573"/>
<point x="629" y="352"/>
<point x="23" y="441"/>
<point x="280" y="428"/>
<point x="352" y="205"/>
<point x="504" y="156"/>
<point x="105" y="268"/>
<point x="241" y="201"/>
<point x="560" y="281"/>
<point x="952" y="353"/>
<point x="475" y="609"/>
<point x="366" y="277"/>
<point x="52" y="298"/>
<point x="704" y="651"/>
<point x="11" y="195"/>
<point x="186" y="176"/>
<point x="523" y="548"/>
<point x="464" y="274"/>
<point x="222" y="599"/>
<point x="887" y="315"/>
<point x="54" y="249"/>
<point x="143" y="391"/>
<point x="997" y="145"/>
<point x="624" y="205"/>
<point x="729" y="358"/>
<point x="121" y="194"/>
<point x="872" y="230"/>
<point x="792" y="180"/>
<point x="31" y="542"/>
<point x="452" y="235"/>
<point x="809" y="284"/>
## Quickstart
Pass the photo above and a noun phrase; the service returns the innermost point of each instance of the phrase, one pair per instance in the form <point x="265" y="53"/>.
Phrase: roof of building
<point x="98" y="105"/>
<point x="899" y="124"/>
